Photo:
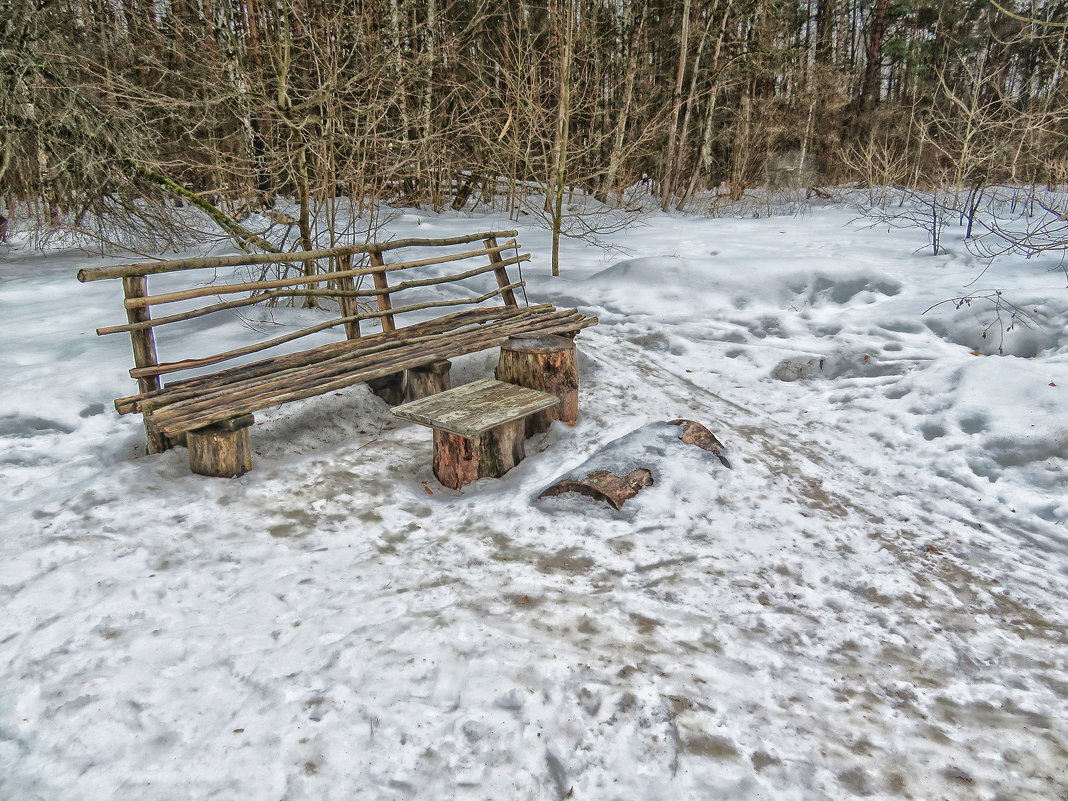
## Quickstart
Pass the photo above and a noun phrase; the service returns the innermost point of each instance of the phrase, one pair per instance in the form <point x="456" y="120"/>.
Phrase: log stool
<point x="478" y="428"/>
<point x="546" y="363"/>
<point x="221" y="450"/>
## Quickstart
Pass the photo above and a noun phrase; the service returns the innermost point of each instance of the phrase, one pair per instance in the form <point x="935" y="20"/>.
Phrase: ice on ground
<point x="870" y="603"/>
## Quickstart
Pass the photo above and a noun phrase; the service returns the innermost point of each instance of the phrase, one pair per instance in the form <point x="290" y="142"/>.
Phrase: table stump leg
<point x="427" y="379"/>
<point x="461" y="460"/>
<point x="546" y="363"/>
<point x="221" y="450"/>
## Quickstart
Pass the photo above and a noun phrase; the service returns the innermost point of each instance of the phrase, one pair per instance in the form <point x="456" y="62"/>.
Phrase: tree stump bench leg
<point x="389" y="388"/>
<point x="159" y="443"/>
<point x="461" y="460"/>
<point x="546" y="363"/>
<point x="221" y="450"/>
<point x="427" y="379"/>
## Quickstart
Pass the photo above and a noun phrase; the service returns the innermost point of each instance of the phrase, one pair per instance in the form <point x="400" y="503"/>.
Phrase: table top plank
<point x="473" y="409"/>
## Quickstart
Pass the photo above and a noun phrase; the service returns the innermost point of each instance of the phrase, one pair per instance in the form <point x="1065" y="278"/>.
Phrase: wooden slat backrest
<point x="340" y="283"/>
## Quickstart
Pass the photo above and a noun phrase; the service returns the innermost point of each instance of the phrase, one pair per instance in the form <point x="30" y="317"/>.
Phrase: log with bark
<point x="221" y="450"/>
<point x="626" y="466"/>
<point x="546" y="363"/>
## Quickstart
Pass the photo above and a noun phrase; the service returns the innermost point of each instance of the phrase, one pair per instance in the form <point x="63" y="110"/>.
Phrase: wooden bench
<point x="479" y="428"/>
<point x="215" y="407"/>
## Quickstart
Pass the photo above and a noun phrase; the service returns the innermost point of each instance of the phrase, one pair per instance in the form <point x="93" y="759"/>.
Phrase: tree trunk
<point x="666" y="188"/>
<point x="704" y="158"/>
<point x="429" y="379"/>
<point x="691" y="100"/>
<point x="868" y="96"/>
<point x="563" y="121"/>
<point x="619" y="136"/>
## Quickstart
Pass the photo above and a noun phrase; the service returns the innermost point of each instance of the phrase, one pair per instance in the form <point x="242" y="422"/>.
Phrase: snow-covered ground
<point x="872" y="602"/>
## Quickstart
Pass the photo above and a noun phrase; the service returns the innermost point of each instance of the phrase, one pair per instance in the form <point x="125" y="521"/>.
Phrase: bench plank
<point x="473" y="409"/>
<point x="171" y="415"/>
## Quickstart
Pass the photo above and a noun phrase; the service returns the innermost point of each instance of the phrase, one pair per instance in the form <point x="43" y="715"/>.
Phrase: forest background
<point x="114" y="112"/>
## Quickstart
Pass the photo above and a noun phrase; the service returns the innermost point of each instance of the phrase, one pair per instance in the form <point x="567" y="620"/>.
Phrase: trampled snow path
<point x="872" y="602"/>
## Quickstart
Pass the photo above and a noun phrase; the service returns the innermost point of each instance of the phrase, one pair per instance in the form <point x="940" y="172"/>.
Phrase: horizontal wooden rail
<point x="174" y="265"/>
<point x="190" y="364"/>
<point x="321" y="278"/>
<point x="284" y="293"/>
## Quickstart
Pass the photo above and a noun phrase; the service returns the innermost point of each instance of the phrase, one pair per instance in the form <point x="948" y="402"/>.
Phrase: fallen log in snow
<point x="625" y="466"/>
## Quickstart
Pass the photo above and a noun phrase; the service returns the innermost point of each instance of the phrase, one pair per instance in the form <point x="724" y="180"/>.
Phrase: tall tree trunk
<point x="825" y="39"/>
<point x="428" y="187"/>
<point x="563" y="123"/>
<point x="868" y="95"/>
<point x="691" y="98"/>
<point x="684" y="41"/>
<point x="619" y="135"/>
<point x="704" y="158"/>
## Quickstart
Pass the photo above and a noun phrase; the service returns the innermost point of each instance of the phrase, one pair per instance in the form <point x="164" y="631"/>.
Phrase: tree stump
<point x="221" y="450"/>
<point x="427" y="379"/>
<point x="461" y="460"/>
<point x="546" y="363"/>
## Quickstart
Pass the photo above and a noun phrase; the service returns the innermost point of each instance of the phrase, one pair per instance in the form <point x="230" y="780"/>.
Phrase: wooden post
<point x="546" y="363"/>
<point x="142" y="339"/>
<point x="461" y="460"/>
<point x="427" y="379"/>
<point x="144" y="351"/>
<point x="389" y="388"/>
<point x="221" y="450"/>
<point x="501" y="274"/>
<point x="384" y="302"/>
<point x="349" y="307"/>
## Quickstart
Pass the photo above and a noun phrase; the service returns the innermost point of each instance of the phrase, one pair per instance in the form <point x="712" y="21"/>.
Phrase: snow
<point x="870" y="603"/>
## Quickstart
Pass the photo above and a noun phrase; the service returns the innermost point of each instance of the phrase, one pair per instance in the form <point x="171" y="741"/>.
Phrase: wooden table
<point x="478" y="428"/>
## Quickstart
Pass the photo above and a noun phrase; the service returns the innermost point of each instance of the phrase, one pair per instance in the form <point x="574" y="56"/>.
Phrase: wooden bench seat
<point x="185" y="405"/>
<point x="170" y="411"/>
<point x="479" y="428"/>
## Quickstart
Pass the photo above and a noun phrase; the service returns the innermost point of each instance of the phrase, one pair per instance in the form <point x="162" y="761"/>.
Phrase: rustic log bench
<point x="211" y="411"/>
<point x="479" y="428"/>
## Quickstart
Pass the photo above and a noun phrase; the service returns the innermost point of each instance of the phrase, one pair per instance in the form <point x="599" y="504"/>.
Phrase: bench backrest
<point x="347" y="271"/>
